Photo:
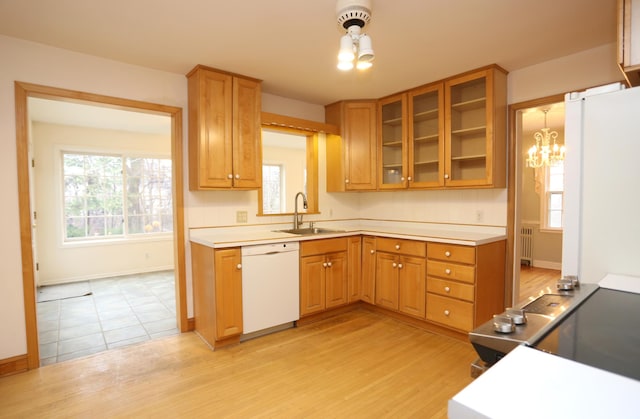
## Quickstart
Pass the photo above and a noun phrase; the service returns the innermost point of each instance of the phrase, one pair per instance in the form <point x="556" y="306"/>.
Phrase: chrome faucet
<point x="297" y="218"/>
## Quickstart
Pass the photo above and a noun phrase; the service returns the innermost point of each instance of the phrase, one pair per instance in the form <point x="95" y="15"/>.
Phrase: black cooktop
<point x="603" y="332"/>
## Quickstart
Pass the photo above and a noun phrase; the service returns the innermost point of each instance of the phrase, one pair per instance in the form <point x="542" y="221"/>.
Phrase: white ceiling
<point x="292" y="44"/>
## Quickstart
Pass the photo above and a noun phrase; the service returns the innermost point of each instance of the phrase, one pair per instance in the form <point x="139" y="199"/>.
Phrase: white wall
<point x="40" y="64"/>
<point x="67" y="262"/>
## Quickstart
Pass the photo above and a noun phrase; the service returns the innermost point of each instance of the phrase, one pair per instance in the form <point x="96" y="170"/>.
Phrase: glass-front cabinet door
<point x="468" y="137"/>
<point x="426" y="137"/>
<point x="392" y="142"/>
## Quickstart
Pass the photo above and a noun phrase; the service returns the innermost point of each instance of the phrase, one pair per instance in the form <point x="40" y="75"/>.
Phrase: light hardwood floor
<point x="534" y="280"/>
<point x="358" y="364"/>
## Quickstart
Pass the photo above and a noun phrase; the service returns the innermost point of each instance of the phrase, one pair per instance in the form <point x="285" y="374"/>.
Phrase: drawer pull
<point x="447" y="271"/>
<point x="447" y="289"/>
<point x="447" y="253"/>
<point x="397" y="247"/>
<point x="447" y="312"/>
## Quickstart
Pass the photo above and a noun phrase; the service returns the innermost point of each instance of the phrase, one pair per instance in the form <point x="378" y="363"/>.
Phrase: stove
<point x="527" y="324"/>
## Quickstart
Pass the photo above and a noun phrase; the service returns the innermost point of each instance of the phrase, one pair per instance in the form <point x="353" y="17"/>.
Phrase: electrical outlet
<point x="479" y="216"/>
<point x="241" y="216"/>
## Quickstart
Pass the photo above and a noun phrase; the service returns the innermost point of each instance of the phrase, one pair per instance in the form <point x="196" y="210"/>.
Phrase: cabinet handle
<point x="239" y="266"/>
<point x="329" y="264"/>
<point x="409" y="178"/>
<point x="324" y="265"/>
<point x="230" y="176"/>
<point x="402" y="178"/>
<point x="372" y="251"/>
<point x="399" y="265"/>
<point x="395" y="265"/>
<point x="237" y="176"/>
<point x="446" y="175"/>
<point x="447" y="271"/>
<point x="447" y="312"/>
<point x="397" y="247"/>
<point x="447" y="289"/>
<point x="346" y="181"/>
<point x="447" y="253"/>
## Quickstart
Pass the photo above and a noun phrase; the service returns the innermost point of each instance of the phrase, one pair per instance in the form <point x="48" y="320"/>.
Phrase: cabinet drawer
<point x="452" y="252"/>
<point x="322" y="246"/>
<point x="450" y="289"/>
<point x="399" y="246"/>
<point x="451" y="271"/>
<point x="449" y="312"/>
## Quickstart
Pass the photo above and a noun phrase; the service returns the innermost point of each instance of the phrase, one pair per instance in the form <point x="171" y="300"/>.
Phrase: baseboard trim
<point x="13" y="365"/>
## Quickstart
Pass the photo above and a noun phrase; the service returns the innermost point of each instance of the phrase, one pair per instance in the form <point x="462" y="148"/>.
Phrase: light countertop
<point x="253" y="235"/>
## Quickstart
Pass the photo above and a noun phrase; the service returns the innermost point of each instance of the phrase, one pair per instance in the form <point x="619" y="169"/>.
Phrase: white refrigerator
<point x="602" y="183"/>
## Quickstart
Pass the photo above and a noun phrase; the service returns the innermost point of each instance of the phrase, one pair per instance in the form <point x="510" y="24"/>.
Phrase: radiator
<point x="526" y="246"/>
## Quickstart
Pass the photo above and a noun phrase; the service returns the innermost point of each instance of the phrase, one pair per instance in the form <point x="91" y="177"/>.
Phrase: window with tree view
<point x="108" y="196"/>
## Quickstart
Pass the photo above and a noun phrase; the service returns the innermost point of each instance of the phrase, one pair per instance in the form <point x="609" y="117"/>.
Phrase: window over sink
<point x="289" y="165"/>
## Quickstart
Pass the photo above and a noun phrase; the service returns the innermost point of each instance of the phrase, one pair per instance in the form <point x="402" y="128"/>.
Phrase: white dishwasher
<point x="270" y="287"/>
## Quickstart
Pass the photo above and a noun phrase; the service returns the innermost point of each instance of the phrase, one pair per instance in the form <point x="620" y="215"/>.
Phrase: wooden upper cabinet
<point x="475" y="129"/>
<point x="629" y="40"/>
<point x="351" y="157"/>
<point x="225" y="149"/>
<point x="392" y="142"/>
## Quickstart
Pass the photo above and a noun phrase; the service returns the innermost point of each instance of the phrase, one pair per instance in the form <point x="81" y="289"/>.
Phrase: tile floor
<point x="121" y="311"/>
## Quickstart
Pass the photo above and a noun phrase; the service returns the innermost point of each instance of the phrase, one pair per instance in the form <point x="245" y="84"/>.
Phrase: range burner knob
<point x="517" y="314"/>
<point x="503" y="324"/>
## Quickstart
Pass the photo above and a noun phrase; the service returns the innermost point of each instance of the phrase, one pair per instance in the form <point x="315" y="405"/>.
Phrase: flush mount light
<point x="355" y="47"/>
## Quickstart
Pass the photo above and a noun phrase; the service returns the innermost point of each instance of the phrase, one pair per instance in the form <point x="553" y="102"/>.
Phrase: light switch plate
<point x="241" y="216"/>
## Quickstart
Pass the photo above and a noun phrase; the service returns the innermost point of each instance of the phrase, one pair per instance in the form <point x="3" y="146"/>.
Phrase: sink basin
<point x="310" y="231"/>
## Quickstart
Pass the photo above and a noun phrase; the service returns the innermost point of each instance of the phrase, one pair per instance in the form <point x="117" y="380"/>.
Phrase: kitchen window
<point x="115" y="195"/>
<point x="552" y="202"/>
<point x="273" y="188"/>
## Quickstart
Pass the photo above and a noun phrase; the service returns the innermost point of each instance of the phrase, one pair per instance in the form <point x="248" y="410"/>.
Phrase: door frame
<point x="22" y="92"/>
<point x="514" y="171"/>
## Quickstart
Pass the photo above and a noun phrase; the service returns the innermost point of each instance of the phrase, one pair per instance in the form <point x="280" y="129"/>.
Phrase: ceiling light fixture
<point x="546" y="152"/>
<point x="355" y="47"/>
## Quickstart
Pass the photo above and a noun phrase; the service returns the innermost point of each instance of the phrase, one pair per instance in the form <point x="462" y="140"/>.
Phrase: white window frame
<point x="545" y="200"/>
<point x="126" y="236"/>
<point x="283" y="192"/>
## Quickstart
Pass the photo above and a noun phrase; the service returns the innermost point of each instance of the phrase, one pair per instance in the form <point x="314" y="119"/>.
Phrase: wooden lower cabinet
<point x="465" y="284"/>
<point x="217" y="290"/>
<point x="400" y="276"/>
<point x="323" y="275"/>
<point x="368" y="273"/>
<point x="354" y="266"/>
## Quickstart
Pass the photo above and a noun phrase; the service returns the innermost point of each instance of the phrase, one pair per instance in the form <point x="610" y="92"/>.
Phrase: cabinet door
<point x="475" y="142"/>
<point x="354" y="274"/>
<point x="247" y="148"/>
<point x="387" y="280"/>
<point x="368" y="269"/>
<point x="426" y="137"/>
<point x="336" y="279"/>
<point x="228" y="292"/>
<point x="210" y="126"/>
<point x="392" y="142"/>
<point x="312" y="284"/>
<point x="411" y="286"/>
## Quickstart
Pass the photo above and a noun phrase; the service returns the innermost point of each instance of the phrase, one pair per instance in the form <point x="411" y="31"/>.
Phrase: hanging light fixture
<point x="546" y="152"/>
<point x="355" y="47"/>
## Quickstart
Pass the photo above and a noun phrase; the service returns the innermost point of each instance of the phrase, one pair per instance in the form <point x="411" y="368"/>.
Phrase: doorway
<point x="536" y="242"/>
<point x="23" y="92"/>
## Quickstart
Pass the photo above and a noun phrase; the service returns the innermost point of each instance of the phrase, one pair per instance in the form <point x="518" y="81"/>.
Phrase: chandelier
<point x="355" y="46"/>
<point x="546" y="152"/>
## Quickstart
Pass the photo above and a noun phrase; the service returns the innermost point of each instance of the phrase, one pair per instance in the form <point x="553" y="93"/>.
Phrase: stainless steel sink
<point x="311" y="231"/>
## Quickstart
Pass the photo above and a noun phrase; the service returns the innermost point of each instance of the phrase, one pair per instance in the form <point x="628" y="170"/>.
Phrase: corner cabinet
<point x="475" y="129"/>
<point x="351" y="157"/>
<point x="224" y="130"/>
<point x="217" y="291"/>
